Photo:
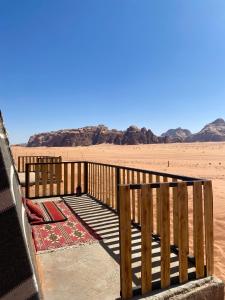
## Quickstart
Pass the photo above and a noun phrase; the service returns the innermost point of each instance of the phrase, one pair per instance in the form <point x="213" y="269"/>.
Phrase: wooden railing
<point x="167" y="210"/>
<point x="23" y="160"/>
<point x="174" y="210"/>
<point x="55" y="179"/>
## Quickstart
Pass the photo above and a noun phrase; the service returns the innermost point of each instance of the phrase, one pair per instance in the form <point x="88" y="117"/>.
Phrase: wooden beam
<point x="208" y="210"/>
<point x="146" y="239"/>
<point x="125" y="243"/>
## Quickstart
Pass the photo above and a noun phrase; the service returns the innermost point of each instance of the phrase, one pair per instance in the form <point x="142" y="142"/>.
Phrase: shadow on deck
<point x="106" y="223"/>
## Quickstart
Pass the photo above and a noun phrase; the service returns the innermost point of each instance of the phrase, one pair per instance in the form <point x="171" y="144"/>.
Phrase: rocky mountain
<point x="176" y="135"/>
<point x="93" y="135"/>
<point x="212" y="132"/>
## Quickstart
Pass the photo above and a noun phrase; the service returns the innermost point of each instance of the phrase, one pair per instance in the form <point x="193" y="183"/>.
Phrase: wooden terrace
<point x="158" y="227"/>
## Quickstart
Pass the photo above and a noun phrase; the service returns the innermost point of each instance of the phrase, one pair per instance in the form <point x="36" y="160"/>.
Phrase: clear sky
<point x="72" y="63"/>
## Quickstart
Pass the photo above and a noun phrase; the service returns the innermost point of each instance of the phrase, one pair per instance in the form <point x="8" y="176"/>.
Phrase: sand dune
<point x="206" y="160"/>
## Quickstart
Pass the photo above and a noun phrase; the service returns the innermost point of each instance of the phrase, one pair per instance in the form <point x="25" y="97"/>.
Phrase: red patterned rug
<point x="62" y="234"/>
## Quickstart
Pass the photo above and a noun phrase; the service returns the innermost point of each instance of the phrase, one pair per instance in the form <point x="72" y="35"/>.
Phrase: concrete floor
<point x="92" y="271"/>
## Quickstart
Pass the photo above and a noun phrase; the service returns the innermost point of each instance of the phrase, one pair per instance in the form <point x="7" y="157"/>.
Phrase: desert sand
<point x="204" y="160"/>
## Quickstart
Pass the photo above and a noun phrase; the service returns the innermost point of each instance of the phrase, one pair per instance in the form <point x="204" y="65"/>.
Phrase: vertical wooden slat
<point x="144" y="178"/>
<point x="112" y="187"/>
<point x="125" y="243"/>
<point x="85" y="175"/>
<point x="51" y="179"/>
<point x="23" y="166"/>
<point x="65" y="178"/>
<point x="59" y="177"/>
<point x="72" y="183"/>
<point x="37" y="167"/>
<point x="138" y="199"/>
<point x="124" y="176"/>
<point x="158" y="210"/>
<point x="146" y="243"/>
<point x="133" y="197"/>
<point x="44" y="178"/>
<point x="182" y="227"/>
<point x="165" y="235"/>
<point x="198" y="229"/>
<point x="79" y="174"/>
<point x="27" y="181"/>
<point x="175" y="215"/>
<point x="92" y="182"/>
<point x="208" y="210"/>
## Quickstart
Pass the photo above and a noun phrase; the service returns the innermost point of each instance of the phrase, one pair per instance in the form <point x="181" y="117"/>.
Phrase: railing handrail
<point x="158" y="184"/>
<point x="175" y="176"/>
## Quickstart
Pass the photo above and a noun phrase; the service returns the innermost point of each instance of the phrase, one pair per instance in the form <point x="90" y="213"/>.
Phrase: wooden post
<point x="146" y="242"/>
<point x="208" y="210"/>
<point x="165" y="235"/>
<point x="72" y="182"/>
<point x="175" y="215"/>
<point x="133" y="197"/>
<point x="85" y="177"/>
<point x="138" y="199"/>
<point x="37" y="179"/>
<point x="117" y="183"/>
<point x="65" y="178"/>
<point x="125" y="242"/>
<point x="43" y="179"/>
<point x="198" y="229"/>
<point x="182" y="228"/>
<point x="158" y="210"/>
<point x="27" y="181"/>
<point x="79" y="175"/>
<point x="51" y="178"/>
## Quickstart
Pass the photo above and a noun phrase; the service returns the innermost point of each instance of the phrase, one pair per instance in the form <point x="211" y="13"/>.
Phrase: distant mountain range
<point x="93" y="135"/>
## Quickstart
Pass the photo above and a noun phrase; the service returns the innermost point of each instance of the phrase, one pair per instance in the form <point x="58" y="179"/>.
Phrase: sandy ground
<point x="205" y="160"/>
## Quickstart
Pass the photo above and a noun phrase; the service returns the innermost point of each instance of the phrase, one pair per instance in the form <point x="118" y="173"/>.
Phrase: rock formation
<point x="177" y="135"/>
<point x="93" y="135"/>
<point x="212" y="132"/>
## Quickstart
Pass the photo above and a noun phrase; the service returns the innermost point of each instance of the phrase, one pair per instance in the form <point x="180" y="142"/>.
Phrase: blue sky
<point x="72" y="63"/>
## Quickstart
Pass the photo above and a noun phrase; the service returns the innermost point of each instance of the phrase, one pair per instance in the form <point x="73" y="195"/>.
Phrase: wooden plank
<point x="146" y="240"/>
<point x="198" y="229"/>
<point x="65" y="178"/>
<point x="72" y="182"/>
<point x="182" y="228"/>
<point x="208" y="210"/>
<point x="44" y="178"/>
<point x="112" y="187"/>
<point x="85" y="176"/>
<point x="37" y="167"/>
<point x="58" y="176"/>
<point x="125" y="243"/>
<point x="150" y="178"/>
<point x="23" y="164"/>
<point x="144" y="178"/>
<point x="124" y="176"/>
<point x="158" y="210"/>
<point x="133" y="197"/>
<point x="27" y="181"/>
<point x="175" y="215"/>
<point x="51" y="179"/>
<point x="165" y="235"/>
<point x="107" y="186"/>
<point x="138" y="199"/>
<point x="165" y="179"/>
<point x="79" y="175"/>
